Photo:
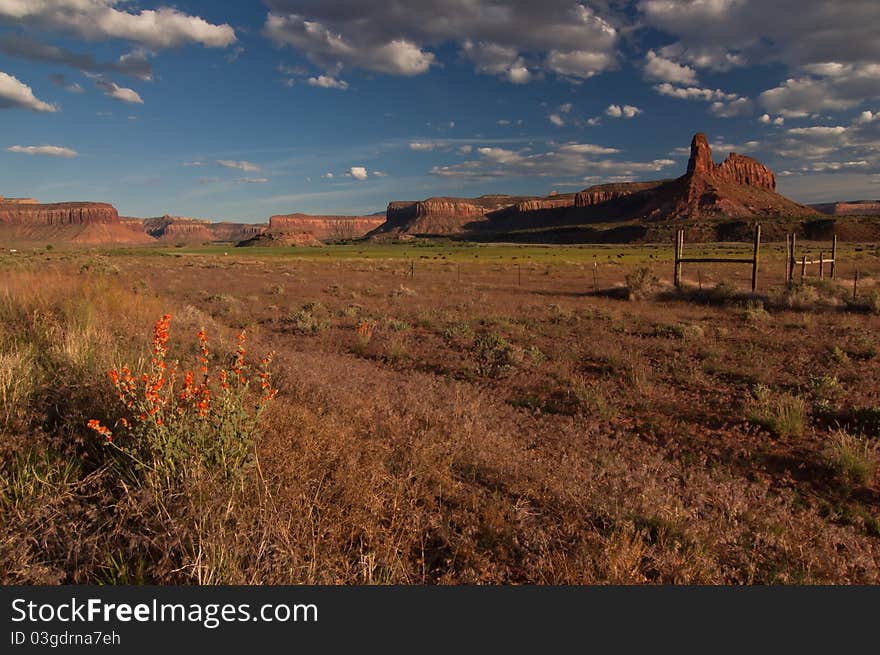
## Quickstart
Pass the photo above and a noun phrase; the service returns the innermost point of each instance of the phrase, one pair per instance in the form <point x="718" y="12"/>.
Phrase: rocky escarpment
<point x="64" y="213"/>
<point x="180" y="229"/>
<point x="92" y="223"/>
<point x="596" y="195"/>
<point x="850" y="208"/>
<point x="443" y="215"/>
<point x="325" y="228"/>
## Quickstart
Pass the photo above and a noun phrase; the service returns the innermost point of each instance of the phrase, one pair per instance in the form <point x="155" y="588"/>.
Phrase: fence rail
<point x="680" y="259"/>
<point x="792" y="261"/>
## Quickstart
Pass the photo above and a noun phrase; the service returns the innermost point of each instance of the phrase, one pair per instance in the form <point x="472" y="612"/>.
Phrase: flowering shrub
<point x="365" y="331"/>
<point x="172" y="421"/>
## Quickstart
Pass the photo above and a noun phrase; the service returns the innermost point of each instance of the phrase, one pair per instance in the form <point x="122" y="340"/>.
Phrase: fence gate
<point x="792" y="260"/>
<point x="681" y="259"/>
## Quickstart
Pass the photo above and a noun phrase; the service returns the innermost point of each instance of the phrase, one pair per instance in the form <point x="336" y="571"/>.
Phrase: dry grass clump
<point x="782" y="414"/>
<point x="853" y="458"/>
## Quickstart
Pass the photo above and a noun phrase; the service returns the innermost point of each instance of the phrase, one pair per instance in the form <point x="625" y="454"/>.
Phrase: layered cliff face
<point x="596" y="195"/>
<point x="64" y="213"/>
<point x="91" y="223"/>
<point x="850" y="208"/>
<point x="439" y="216"/>
<point x="180" y="229"/>
<point x="325" y="228"/>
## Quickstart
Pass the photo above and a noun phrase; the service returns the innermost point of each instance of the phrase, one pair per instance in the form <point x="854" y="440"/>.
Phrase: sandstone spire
<point x="701" y="155"/>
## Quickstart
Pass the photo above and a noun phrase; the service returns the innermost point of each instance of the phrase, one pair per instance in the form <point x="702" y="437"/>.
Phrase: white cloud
<point x="867" y="117"/>
<point x="709" y="57"/>
<point x="835" y="87"/>
<point x="723" y="104"/>
<point x="556" y="119"/>
<point x="666" y="70"/>
<point x="627" y="111"/>
<point x="767" y="119"/>
<point x="422" y="147"/>
<point x="358" y="173"/>
<point x="694" y="93"/>
<point x="113" y="90"/>
<point x="380" y="174"/>
<point x="328" y="82"/>
<point x="519" y="75"/>
<point x="49" y="151"/>
<point x="465" y="150"/>
<point x="831" y="49"/>
<point x="515" y="41"/>
<point x="494" y="59"/>
<point x="328" y="175"/>
<point x="738" y="107"/>
<point x="245" y="166"/>
<point x="16" y="94"/>
<point x="587" y="149"/>
<point x="565" y="108"/>
<point x="100" y="19"/>
<point x="570" y="159"/>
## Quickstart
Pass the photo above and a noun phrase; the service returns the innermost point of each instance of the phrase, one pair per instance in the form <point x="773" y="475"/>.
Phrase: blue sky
<point x="239" y="110"/>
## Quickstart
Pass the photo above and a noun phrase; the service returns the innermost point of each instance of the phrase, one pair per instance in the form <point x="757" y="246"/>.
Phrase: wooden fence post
<point x="821" y="264"/>
<point x="833" y="255"/>
<point x="679" y="242"/>
<point x="793" y="260"/>
<point x="803" y="268"/>
<point x="755" y="260"/>
<point x="856" y="285"/>
<point x="787" y="256"/>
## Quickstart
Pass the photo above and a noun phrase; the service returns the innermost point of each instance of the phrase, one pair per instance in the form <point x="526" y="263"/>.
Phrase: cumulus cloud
<point x="556" y="119"/>
<point x="328" y="175"/>
<point x="516" y="41"/>
<point x="48" y="151"/>
<point x="570" y="159"/>
<point x="659" y="68"/>
<point x="422" y="147"/>
<point x="358" y="173"/>
<point x="134" y="63"/>
<point x="113" y="90"/>
<point x="245" y="166"/>
<point x="831" y="50"/>
<point x="496" y="59"/>
<point x="626" y="111"/>
<point x="723" y="104"/>
<point x="830" y="87"/>
<point x="767" y="119"/>
<point x="17" y="94"/>
<point x="101" y="19"/>
<point x="729" y="109"/>
<point x="328" y="82"/>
